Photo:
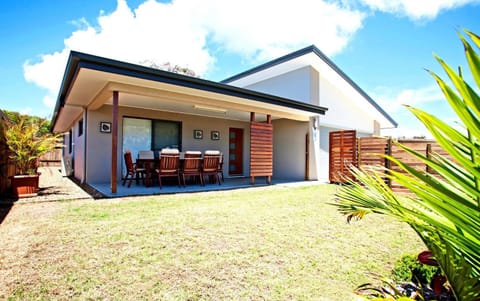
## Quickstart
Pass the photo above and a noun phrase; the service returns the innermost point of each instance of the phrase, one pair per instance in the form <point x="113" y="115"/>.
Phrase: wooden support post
<point x="252" y="119"/>
<point x="269" y="119"/>
<point x="113" y="176"/>
<point x="429" y="155"/>
<point x="388" y="163"/>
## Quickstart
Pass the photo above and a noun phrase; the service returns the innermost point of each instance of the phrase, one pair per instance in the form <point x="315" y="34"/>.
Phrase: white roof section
<point x="312" y="56"/>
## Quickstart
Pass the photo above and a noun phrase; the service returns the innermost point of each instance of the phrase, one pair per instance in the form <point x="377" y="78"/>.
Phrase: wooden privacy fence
<point x="368" y="151"/>
<point x="52" y="158"/>
<point x="7" y="166"/>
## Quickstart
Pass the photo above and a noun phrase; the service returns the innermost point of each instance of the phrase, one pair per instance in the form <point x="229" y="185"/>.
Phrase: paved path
<point x="55" y="187"/>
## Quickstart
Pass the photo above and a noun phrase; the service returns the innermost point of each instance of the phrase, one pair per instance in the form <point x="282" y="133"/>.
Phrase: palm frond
<point x="444" y="208"/>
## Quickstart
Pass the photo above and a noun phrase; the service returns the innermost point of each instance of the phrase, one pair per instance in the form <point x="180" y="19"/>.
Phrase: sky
<point x="385" y="46"/>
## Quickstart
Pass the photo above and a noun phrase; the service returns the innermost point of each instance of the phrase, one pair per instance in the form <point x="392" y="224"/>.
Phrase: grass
<point x="272" y="243"/>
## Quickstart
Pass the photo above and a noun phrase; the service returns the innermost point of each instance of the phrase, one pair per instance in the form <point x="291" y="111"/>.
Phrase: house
<point x="108" y="106"/>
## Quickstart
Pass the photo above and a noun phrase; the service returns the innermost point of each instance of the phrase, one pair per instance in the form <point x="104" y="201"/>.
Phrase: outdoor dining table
<point x="149" y="165"/>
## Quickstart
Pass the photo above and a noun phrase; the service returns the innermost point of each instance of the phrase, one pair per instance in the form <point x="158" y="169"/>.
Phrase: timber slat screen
<point x="261" y="150"/>
<point x="343" y="154"/>
<point x="368" y="151"/>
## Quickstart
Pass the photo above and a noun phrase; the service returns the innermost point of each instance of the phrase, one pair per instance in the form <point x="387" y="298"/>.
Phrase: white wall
<point x="342" y="112"/>
<point x="289" y="149"/>
<point x="307" y="85"/>
<point x="99" y="144"/>
<point x="295" y="85"/>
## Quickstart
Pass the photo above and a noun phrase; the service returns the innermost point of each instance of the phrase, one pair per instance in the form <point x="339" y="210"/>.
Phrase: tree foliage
<point x="28" y="138"/>
<point x="169" y="67"/>
<point x="43" y="123"/>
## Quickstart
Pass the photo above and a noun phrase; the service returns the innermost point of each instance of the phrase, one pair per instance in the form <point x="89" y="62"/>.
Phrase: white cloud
<point x="47" y="73"/>
<point x="415" y="9"/>
<point x="393" y="101"/>
<point x="267" y="29"/>
<point x="180" y="32"/>
<point x="49" y="101"/>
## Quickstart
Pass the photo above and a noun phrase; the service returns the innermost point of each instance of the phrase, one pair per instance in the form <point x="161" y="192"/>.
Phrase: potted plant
<point x="27" y="143"/>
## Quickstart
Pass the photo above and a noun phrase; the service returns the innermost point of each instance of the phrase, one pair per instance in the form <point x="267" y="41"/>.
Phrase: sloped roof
<point x="106" y="69"/>
<point x="307" y="50"/>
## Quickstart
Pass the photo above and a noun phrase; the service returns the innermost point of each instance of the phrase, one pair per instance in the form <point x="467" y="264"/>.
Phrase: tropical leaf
<point x="444" y="205"/>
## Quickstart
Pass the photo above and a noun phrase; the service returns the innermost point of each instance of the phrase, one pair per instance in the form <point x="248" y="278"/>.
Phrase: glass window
<point x="166" y="134"/>
<point x="146" y="134"/>
<point x="80" y="128"/>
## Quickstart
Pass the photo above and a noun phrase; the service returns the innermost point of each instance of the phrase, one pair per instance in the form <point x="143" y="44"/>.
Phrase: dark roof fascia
<point x="78" y="60"/>
<point x="321" y="55"/>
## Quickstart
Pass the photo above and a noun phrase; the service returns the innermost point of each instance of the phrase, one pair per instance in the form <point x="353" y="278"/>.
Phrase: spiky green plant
<point x="27" y="144"/>
<point x="445" y="208"/>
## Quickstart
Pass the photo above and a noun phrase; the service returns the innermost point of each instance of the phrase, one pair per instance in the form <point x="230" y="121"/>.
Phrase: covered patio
<point x="103" y="101"/>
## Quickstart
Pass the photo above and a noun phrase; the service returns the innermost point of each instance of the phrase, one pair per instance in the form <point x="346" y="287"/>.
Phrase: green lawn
<point x="273" y="243"/>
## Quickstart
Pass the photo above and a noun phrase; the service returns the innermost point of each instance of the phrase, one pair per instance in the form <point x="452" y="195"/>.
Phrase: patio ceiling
<point x="89" y="83"/>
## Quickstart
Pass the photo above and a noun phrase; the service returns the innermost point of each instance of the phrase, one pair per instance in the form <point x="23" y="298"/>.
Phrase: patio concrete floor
<point x="171" y="188"/>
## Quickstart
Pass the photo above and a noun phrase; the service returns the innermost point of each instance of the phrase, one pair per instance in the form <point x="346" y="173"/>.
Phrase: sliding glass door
<point x="137" y="135"/>
<point x="150" y="134"/>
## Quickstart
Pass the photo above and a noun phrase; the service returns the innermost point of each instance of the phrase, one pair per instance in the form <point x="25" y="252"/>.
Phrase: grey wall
<point x="99" y="144"/>
<point x="289" y="149"/>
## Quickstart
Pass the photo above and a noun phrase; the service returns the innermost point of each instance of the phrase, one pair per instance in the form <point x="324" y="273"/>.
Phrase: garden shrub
<point x="408" y="268"/>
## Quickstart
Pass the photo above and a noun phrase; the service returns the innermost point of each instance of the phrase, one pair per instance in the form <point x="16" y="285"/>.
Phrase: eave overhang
<point x="89" y="80"/>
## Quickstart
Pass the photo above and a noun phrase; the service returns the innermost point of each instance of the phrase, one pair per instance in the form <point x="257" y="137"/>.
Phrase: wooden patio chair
<point x="211" y="162"/>
<point x="132" y="170"/>
<point x="192" y="165"/>
<point x="169" y="165"/>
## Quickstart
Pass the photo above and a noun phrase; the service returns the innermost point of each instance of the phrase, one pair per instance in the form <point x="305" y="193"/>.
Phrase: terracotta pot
<point x="24" y="186"/>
